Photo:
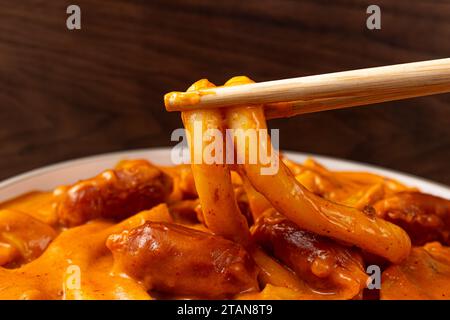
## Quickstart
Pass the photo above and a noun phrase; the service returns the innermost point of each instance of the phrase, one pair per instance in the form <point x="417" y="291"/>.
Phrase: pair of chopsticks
<point x="289" y="97"/>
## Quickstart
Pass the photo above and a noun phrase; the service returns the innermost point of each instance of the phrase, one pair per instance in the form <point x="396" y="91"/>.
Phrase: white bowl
<point x="68" y="172"/>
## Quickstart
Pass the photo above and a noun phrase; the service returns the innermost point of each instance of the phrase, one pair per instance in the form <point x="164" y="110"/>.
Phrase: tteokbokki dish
<point x="211" y="231"/>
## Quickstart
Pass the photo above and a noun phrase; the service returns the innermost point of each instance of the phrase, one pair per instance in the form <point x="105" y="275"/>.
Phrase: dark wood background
<point x="67" y="94"/>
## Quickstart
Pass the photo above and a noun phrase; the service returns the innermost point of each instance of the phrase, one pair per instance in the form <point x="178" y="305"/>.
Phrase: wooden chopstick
<point x="288" y="97"/>
<point x="290" y="109"/>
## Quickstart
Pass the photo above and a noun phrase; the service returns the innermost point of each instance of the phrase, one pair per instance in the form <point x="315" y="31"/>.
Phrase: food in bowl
<point x="138" y="231"/>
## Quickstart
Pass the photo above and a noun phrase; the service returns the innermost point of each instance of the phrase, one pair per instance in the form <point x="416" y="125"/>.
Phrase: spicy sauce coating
<point x="424" y="217"/>
<point x="134" y="185"/>
<point x="322" y="263"/>
<point x="173" y="259"/>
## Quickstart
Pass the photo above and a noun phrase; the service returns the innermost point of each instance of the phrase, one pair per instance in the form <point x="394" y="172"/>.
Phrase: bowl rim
<point x="162" y="152"/>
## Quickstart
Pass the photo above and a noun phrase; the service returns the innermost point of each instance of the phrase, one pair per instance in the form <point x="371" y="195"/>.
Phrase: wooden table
<point x="67" y="94"/>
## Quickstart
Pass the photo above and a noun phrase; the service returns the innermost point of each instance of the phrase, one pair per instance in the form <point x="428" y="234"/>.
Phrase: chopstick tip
<point x="175" y="100"/>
